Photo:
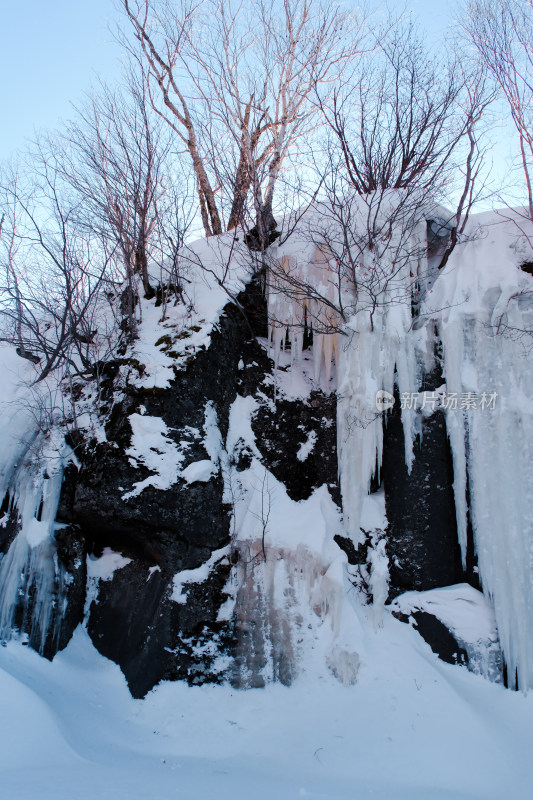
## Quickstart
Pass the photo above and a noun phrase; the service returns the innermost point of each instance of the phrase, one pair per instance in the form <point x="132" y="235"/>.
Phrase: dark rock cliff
<point x="132" y="618"/>
<point x="133" y="621"/>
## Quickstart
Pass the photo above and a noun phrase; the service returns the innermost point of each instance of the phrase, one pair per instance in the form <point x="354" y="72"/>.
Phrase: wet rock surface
<point x="422" y="542"/>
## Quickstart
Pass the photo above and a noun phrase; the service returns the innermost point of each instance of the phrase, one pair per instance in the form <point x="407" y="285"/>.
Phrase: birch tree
<point x="239" y="79"/>
<point x="502" y="33"/>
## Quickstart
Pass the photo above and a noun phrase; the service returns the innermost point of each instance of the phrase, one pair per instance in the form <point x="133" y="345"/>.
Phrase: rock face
<point x="283" y="432"/>
<point x="133" y="619"/>
<point x="422" y="540"/>
<point x="131" y="615"/>
<point x="439" y="638"/>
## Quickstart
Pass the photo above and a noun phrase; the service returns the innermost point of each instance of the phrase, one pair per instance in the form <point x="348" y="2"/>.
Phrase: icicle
<point x="318" y="353"/>
<point x="381" y="339"/>
<point x="495" y="446"/>
<point x="29" y="573"/>
<point x="288" y="308"/>
<point x="452" y="343"/>
<point x="486" y="311"/>
<point x="379" y="581"/>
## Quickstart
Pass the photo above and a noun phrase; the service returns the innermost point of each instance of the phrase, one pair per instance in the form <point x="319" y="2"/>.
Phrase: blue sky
<point x="50" y="53"/>
<point x="53" y="49"/>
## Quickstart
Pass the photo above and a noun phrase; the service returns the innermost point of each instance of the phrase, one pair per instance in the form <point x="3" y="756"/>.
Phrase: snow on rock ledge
<point x="468" y="615"/>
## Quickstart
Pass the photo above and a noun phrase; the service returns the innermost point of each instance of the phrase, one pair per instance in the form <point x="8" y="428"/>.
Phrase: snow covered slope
<point x="412" y="728"/>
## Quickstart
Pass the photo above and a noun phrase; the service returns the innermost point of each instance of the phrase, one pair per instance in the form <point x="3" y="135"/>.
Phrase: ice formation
<point x="484" y="309"/>
<point x="31" y="473"/>
<point x="292" y="307"/>
<point x="480" y="308"/>
<point x="374" y="347"/>
<point x="289" y="586"/>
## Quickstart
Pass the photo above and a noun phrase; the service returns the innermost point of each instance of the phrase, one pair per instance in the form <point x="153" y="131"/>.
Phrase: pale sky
<point x="53" y="49"/>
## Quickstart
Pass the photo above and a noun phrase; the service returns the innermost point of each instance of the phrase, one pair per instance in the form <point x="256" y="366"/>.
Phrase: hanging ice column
<point x="375" y="346"/>
<point x="378" y="350"/>
<point x="484" y="308"/>
<point x="291" y="307"/>
<point x="31" y="470"/>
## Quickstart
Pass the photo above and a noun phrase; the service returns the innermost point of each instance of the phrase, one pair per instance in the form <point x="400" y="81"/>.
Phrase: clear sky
<point x="53" y="49"/>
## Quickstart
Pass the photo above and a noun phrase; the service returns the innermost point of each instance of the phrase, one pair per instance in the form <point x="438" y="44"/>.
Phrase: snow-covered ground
<point x="411" y="728"/>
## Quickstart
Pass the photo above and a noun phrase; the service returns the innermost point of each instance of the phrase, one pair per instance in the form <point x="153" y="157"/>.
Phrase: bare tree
<point x="174" y="222"/>
<point x="404" y="133"/>
<point x="236" y="83"/>
<point x="113" y="156"/>
<point x="400" y="118"/>
<point x="502" y="32"/>
<point x="51" y="275"/>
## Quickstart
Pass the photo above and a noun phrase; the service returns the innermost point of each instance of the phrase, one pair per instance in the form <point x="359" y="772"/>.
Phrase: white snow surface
<point x="198" y="575"/>
<point x="411" y="728"/>
<point x="469" y="616"/>
<point x="152" y="448"/>
<point x="215" y="271"/>
<point x="464" y="610"/>
<point x="104" y="566"/>
<point x="306" y="448"/>
<point x="198" y="471"/>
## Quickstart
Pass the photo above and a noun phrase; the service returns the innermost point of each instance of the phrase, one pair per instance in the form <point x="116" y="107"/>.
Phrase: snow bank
<point x="468" y="615"/>
<point x="70" y="729"/>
